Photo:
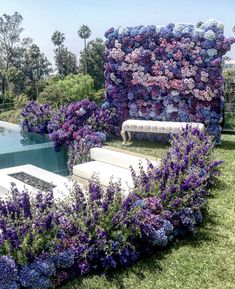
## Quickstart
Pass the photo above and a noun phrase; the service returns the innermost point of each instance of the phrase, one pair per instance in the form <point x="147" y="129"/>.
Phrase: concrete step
<point x="113" y="164"/>
<point x="105" y="172"/>
<point x="120" y="159"/>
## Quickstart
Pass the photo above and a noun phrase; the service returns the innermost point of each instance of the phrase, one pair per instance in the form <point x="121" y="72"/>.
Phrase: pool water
<point x="17" y="148"/>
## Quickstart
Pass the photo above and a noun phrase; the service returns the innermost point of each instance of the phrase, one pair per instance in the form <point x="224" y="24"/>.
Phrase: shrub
<point x="97" y="96"/>
<point x="64" y="91"/>
<point x="20" y="101"/>
<point x="12" y="116"/>
<point x="44" y="242"/>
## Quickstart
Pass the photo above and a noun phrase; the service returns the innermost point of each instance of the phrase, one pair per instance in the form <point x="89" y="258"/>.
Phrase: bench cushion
<point x="136" y="125"/>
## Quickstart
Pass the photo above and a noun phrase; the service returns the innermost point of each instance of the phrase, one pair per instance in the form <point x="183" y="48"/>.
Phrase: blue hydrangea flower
<point x="168" y="227"/>
<point x="31" y="278"/>
<point x="160" y="238"/>
<point x="198" y="216"/>
<point x="140" y="203"/>
<point x="108" y="262"/>
<point x="45" y="267"/>
<point x="12" y="285"/>
<point x="64" y="259"/>
<point x="8" y="270"/>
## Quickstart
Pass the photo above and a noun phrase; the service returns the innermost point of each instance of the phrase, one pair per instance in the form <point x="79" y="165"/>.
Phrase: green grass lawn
<point x="206" y="260"/>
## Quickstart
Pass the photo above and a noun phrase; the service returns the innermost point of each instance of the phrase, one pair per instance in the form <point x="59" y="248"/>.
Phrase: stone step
<point x="120" y="159"/>
<point x="105" y="173"/>
<point x="113" y="164"/>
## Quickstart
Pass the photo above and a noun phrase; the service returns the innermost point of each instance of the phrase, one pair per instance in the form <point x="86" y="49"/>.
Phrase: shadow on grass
<point x="226" y="145"/>
<point x="148" y="144"/>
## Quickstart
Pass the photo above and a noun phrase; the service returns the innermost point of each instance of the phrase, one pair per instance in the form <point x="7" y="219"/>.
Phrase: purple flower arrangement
<point x="35" y="117"/>
<point x="44" y="242"/>
<point x="79" y="126"/>
<point x="168" y="73"/>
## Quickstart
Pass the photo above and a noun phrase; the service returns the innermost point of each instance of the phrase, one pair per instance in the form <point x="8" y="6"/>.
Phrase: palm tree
<point x="84" y="32"/>
<point x="58" y="38"/>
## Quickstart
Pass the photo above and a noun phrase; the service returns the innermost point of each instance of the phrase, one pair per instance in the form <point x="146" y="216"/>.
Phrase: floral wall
<point x="167" y="73"/>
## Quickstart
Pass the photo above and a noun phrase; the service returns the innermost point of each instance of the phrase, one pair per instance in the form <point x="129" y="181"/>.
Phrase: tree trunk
<point x="85" y="56"/>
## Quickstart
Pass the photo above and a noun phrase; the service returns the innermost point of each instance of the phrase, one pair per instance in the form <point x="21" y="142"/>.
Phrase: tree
<point x="28" y="67"/>
<point x="199" y="24"/>
<point x="94" y="58"/>
<point x="37" y="68"/>
<point x="10" y="30"/>
<point x="58" y="38"/>
<point x="22" y="65"/>
<point x="84" y="32"/>
<point x="66" y="61"/>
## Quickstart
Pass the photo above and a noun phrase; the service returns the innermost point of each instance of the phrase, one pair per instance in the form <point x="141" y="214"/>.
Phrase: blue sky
<point x="43" y="17"/>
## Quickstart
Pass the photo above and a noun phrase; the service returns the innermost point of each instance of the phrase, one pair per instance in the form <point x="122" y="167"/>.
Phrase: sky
<point x="42" y="17"/>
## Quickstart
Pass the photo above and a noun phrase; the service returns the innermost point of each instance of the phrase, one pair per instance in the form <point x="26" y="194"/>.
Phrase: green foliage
<point x="12" y="116"/>
<point x="98" y="96"/>
<point x="10" y="30"/>
<point x="71" y="88"/>
<point x="20" y="101"/>
<point x="57" y="38"/>
<point x="229" y="121"/>
<point x="53" y="95"/>
<point x="84" y="32"/>
<point x="66" y="61"/>
<point x="93" y="55"/>
<point x="22" y="65"/>
<point x="199" y="24"/>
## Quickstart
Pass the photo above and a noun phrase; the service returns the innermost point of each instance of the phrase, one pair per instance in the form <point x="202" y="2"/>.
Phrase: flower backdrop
<point x="168" y="73"/>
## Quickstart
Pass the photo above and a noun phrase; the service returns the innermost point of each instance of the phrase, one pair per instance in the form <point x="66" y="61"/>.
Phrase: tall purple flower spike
<point x="168" y="73"/>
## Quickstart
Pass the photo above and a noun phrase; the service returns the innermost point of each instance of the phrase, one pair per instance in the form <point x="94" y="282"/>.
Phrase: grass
<point x="229" y="121"/>
<point x="206" y="260"/>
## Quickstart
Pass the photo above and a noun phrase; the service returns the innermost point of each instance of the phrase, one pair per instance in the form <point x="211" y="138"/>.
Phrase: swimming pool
<point x="17" y="148"/>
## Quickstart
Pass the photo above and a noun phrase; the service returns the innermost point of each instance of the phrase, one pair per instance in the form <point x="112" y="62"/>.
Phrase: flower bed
<point x="171" y="73"/>
<point x="44" y="243"/>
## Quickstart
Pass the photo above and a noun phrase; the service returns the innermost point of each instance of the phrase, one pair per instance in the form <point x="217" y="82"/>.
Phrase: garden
<point x="175" y="227"/>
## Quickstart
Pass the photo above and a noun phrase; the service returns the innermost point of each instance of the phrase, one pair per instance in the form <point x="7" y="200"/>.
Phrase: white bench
<point x="151" y="126"/>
